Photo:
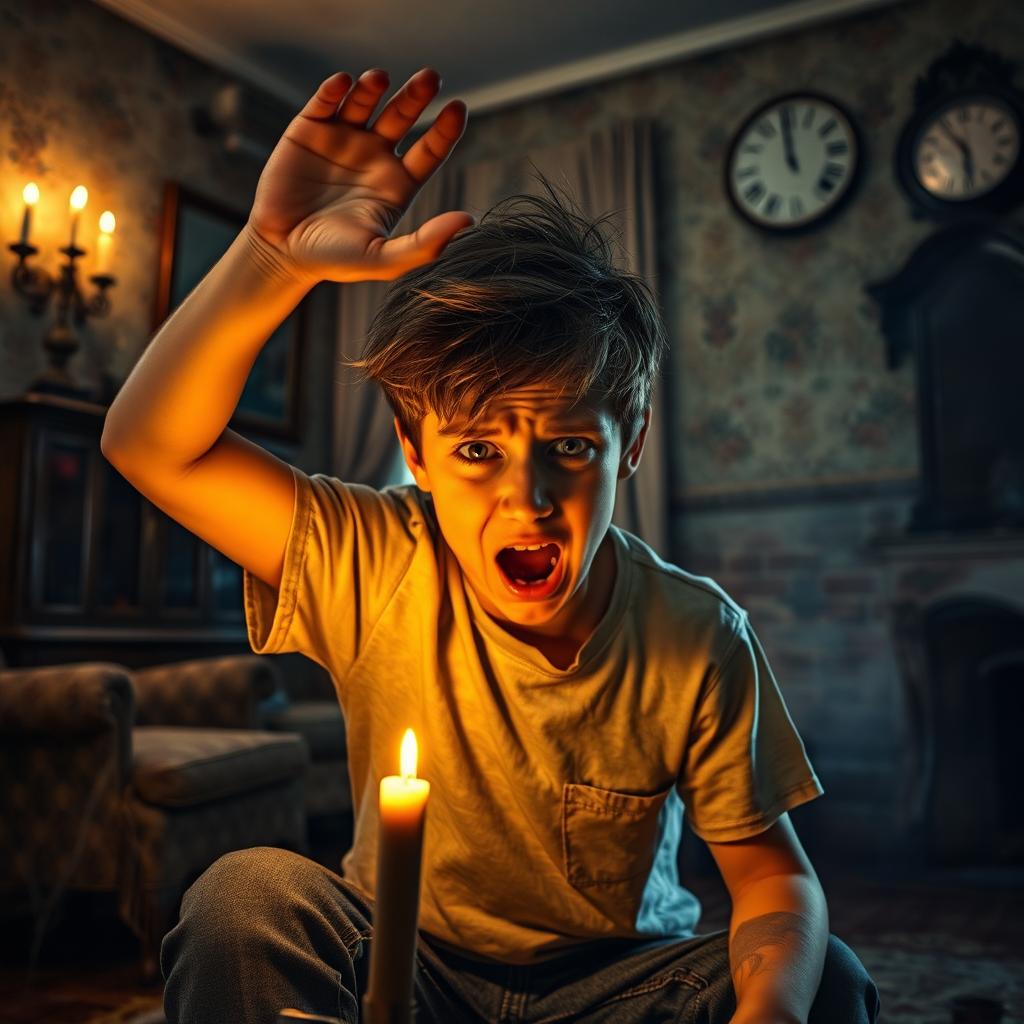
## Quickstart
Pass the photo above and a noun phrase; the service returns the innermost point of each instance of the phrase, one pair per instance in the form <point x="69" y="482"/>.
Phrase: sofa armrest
<point x="65" y="761"/>
<point x="220" y="693"/>
<point x="60" y="701"/>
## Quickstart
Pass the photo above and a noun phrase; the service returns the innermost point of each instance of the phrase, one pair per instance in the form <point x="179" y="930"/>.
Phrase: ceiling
<point x="489" y="54"/>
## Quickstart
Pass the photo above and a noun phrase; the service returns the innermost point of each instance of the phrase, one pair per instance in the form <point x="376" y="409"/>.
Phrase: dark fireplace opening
<point x="974" y="811"/>
<point x="1005" y="675"/>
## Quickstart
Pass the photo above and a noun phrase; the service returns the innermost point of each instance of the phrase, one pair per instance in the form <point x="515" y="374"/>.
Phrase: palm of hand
<point x="333" y="190"/>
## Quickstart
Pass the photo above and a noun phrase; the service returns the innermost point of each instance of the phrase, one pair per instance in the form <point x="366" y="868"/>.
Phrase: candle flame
<point x="408" y="755"/>
<point x="107" y="222"/>
<point x="30" y="193"/>
<point x="79" y="197"/>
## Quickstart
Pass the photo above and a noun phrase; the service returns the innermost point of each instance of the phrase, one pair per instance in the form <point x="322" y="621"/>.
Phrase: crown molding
<point x="164" y="25"/>
<point x="571" y="75"/>
<point x="654" y="52"/>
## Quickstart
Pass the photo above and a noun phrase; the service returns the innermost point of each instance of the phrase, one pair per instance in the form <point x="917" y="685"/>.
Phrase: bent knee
<point x="235" y="888"/>
<point x="846" y="993"/>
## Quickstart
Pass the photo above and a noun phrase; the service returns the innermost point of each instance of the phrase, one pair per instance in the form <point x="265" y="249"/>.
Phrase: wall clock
<point x="961" y="153"/>
<point x="794" y="162"/>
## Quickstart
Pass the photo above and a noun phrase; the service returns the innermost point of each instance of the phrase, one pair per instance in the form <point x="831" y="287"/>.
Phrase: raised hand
<point x="334" y="189"/>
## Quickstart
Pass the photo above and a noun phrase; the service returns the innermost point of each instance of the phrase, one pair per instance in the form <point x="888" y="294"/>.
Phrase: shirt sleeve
<point x="745" y="763"/>
<point x="347" y="550"/>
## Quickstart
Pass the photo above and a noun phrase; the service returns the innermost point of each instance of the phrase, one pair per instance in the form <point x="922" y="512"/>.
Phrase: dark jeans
<point x="264" y="928"/>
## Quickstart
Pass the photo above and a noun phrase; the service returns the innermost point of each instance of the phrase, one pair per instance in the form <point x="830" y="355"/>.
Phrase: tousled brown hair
<point x="528" y="295"/>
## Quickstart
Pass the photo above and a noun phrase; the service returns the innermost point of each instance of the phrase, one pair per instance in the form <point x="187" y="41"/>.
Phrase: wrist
<point x="273" y="263"/>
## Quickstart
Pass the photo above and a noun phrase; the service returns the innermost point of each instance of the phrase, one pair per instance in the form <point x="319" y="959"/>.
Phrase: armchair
<point x="97" y="796"/>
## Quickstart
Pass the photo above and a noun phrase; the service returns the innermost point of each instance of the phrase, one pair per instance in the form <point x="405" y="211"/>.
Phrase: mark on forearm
<point x="756" y="943"/>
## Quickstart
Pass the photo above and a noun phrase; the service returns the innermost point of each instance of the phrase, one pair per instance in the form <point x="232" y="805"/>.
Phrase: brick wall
<point x="817" y="596"/>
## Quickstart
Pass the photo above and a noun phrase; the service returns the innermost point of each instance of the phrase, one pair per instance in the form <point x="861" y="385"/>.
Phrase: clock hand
<point x="786" y="117"/>
<point x="968" y="167"/>
<point x="960" y="144"/>
<point x="965" y="152"/>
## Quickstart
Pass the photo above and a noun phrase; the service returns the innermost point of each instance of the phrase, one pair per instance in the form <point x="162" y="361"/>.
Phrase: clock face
<point x="967" y="148"/>
<point x="793" y="162"/>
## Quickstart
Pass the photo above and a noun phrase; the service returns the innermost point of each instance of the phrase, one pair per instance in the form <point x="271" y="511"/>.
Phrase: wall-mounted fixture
<point x="37" y="286"/>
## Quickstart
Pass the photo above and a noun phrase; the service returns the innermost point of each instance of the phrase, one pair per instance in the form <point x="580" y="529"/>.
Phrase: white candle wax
<point x="403" y="806"/>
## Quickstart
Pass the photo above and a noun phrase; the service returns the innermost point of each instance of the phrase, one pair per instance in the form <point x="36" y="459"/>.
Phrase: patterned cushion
<point x="205" y="692"/>
<point x="176" y="767"/>
<point x="318" y="722"/>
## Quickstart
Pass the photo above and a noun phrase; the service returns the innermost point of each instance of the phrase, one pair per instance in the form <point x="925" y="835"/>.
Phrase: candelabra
<point x="38" y="287"/>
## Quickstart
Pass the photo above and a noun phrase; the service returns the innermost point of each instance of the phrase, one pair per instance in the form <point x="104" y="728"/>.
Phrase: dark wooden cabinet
<point x="89" y="569"/>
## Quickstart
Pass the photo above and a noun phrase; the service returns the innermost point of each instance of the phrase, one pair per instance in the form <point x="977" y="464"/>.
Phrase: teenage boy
<point x="572" y="691"/>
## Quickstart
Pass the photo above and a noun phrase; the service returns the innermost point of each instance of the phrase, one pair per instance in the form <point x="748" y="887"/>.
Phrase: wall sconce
<point x="37" y="286"/>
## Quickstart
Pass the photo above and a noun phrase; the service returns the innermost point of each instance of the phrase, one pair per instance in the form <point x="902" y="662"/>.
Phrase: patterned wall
<point x="777" y="385"/>
<point x="88" y="98"/>
<point x="779" y="378"/>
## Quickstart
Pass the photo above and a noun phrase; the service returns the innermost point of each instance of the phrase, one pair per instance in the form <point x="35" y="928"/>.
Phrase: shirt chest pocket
<point x="609" y="838"/>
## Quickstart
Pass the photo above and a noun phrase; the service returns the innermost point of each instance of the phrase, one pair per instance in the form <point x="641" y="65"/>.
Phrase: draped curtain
<point x="609" y="171"/>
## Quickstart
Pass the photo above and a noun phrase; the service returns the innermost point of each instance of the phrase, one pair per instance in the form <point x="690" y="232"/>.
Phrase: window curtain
<point x="609" y="171"/>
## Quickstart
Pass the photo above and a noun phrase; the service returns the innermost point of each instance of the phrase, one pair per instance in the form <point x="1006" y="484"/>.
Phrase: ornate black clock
<point x="793" y="162"/>
<point x="961" y="153"/>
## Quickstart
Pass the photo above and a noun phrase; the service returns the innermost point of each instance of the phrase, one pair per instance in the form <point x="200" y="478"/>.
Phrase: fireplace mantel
<point x="946" y="814"/>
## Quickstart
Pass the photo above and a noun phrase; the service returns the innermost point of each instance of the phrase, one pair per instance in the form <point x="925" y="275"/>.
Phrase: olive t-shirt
<point x="557" y="795"/>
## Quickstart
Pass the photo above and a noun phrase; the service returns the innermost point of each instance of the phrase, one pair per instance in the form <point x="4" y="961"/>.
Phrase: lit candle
<point x="103" y="242"/>
<point x="79" y="197"/>
<point x="30" y="193"/>
<point x="403" y="806"/>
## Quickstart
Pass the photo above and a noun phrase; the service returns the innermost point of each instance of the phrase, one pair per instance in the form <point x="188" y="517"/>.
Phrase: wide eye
<point x="574" y="446"/>
<point x="473" y="451"/>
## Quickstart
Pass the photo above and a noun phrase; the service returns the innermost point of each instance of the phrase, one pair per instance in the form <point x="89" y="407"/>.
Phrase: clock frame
<point x="1003" y="196"/>
<point x="848" y="181"/>
<point x="960" y="76"/>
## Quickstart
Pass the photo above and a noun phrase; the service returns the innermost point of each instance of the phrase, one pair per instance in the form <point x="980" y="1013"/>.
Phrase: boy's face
<point x="531" y="472"/>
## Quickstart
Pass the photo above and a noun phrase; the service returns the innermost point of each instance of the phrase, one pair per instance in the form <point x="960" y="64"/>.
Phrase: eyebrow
<point x="484" y="430"/>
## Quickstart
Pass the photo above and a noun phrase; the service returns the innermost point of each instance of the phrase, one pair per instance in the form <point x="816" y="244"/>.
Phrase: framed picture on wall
<point x="196" y="231"/>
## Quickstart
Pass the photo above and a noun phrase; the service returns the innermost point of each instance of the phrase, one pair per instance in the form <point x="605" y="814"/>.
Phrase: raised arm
<point x="327" y="202"/>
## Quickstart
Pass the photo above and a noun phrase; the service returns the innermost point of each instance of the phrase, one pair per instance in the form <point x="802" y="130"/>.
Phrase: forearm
<point x="184" y="389"/>
<point x="778" y="936"/>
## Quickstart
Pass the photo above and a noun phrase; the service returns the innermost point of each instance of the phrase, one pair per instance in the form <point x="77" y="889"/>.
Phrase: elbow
<point x="106" y="446"/>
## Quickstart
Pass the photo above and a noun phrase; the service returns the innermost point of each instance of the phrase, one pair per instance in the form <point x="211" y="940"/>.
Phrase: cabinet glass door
<point x="120" y="539"/>
<point x="225" y="587"/>
<point x="61" y="541"/>
<point x="181" y="575"/>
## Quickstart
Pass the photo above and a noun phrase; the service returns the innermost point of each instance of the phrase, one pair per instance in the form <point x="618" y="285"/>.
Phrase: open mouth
<point x="533" y="572"/>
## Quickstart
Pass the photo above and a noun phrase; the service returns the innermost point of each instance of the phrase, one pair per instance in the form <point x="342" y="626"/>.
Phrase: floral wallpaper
<point x="777" y="377"/>
<point x="87" y="98"/>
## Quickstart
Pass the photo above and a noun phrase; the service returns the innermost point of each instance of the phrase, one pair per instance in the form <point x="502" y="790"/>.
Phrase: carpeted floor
<point x="919" y="982"/>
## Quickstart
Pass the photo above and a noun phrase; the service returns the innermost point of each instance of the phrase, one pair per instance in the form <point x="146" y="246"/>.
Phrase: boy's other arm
<point x="778" y="933"/>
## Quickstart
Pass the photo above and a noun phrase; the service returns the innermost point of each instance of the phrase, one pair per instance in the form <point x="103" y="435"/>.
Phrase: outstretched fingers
<point x="404" y="108"/>
<point x="433" y="147"/>
<point x="324" y="103"/>
<point x="360" y="102"/>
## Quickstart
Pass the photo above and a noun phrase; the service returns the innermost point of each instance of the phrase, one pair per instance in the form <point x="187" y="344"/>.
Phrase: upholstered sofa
<point x="134" y="782"/>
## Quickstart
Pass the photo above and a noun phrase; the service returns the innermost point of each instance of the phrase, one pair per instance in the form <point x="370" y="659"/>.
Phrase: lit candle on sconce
<point x="30" y="193"/>
<point x="104" y="240"/>
<point x="79" y="197"/>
